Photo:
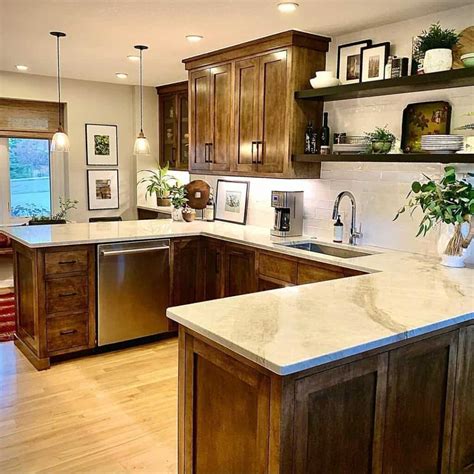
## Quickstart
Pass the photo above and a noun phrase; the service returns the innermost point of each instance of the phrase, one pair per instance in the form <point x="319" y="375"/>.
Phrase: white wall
<point x="93" y="102"/>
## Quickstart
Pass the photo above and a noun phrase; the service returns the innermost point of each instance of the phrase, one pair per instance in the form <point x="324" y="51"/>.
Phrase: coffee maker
<point x="288" y="207"/>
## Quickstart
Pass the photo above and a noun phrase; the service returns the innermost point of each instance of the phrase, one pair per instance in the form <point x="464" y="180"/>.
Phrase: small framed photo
<point x="232" y="201"/>
<point x="103" y="189"/>
<point x="348" y="61"/>
<point x="101" y="145"/>
<point x="373" y="60"/>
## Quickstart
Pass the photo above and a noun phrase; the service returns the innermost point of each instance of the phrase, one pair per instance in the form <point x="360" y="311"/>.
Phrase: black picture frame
<point x="247" y="185"/>
<point x="116" y="172"/>
<point x="88" y="158"/>
<point x="385" y="47"/>
<point x="340" y="49"/>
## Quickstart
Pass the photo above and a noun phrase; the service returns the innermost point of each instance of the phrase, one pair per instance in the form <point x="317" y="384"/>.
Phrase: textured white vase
<point x="437" y="60"/>
<point x="177" y="214"/>
<point x="446" y="232"/>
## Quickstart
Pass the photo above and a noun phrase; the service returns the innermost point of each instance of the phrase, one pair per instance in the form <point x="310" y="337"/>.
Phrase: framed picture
<point x="348" y="61"/>
<point x="103" y="189"/>
<point x="101" y="145"/>
<point x="372" y="62"/>
<point x="232" y="201"/>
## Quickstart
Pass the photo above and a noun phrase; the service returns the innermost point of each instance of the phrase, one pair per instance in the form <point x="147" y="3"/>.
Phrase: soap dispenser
<point x="338" y="230"/>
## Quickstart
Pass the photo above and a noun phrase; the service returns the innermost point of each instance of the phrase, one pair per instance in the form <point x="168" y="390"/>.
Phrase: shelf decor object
<point x="232" y="201"/>
<point x="348" y="61"/>
<point x="372" y="62"/>
<point x="387" y="158"/>
<point x="142" y="146"/>
<point x="465" y="46"/>
<point x="60" y="141"/>
<point x="101" y="145"/>
<point x="103" y="189"/>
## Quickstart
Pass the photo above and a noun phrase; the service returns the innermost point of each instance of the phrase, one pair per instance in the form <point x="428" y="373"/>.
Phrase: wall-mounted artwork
<point x="103" y="189"/>
<point x="232" y="201"/>
<point x="373" y="60"/>
<point x="349" y="61"/>
<point x="101" y="145"/>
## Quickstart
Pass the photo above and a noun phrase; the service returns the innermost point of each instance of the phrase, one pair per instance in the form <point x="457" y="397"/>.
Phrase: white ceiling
<point x="101" y="33"/>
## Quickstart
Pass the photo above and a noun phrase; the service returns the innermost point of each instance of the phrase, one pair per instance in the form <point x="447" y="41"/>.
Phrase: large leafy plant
<point x="158" y="182"/>
<point x="178" y="196"/>
<point x="437" y="37"/>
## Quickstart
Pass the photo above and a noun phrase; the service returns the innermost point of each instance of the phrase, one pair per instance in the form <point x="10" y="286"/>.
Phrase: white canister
<point x="437" y="60"/>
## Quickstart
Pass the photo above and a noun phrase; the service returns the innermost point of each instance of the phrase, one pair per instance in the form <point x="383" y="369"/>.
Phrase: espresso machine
<point x="288" y="207"/>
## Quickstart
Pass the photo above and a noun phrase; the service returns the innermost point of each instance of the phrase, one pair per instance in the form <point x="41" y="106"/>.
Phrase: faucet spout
<point x="354" y="235"/>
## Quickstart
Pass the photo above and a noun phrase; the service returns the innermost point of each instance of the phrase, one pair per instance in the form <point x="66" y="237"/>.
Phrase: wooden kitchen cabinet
<point x="240" y="271"/>
<point x="213" y="262"/>
<point x="173" y="125"/>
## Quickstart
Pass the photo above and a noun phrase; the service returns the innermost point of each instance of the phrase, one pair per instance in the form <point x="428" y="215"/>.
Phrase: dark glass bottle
<point x="325" y="132"/>
<point x="308" y="138"/>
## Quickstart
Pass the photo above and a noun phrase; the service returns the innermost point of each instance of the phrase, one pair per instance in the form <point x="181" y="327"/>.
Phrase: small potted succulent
<point x="159" y="182"/>
<point x="381" y="140"/>
<point x="437" y="45"/>
<point x="449" y="201"/>
<point x="178" y="201"/>
<point x="188" y="213"/>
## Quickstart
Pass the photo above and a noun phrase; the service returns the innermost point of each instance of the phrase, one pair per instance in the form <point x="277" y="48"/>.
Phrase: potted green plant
<point x="381" y="140"/>
<point x="39" y="216"/>
<point x="178" y="201"/>
<point x="158" y="182"/>
<point x="449" y="201"/>
<point x="437" y="45"/>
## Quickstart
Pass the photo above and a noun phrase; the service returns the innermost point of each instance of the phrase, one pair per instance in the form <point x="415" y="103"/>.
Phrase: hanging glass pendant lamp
<point x="142" y="146"/>
<point x="60" y="141"/>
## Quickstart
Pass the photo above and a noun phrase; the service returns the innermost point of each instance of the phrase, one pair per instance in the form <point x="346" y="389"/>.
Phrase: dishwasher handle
<point x="110" y="253"/>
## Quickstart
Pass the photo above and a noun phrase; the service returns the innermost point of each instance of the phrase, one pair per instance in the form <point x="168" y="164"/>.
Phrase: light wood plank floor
<point x="113" y="412"/>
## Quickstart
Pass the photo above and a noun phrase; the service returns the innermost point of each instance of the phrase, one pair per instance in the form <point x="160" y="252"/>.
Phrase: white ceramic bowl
<point x="328" y="81"/>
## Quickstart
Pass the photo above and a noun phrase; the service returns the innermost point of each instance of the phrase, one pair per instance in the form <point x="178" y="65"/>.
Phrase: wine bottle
<point x="308" y="138"/>
<point x="325" y="132"/>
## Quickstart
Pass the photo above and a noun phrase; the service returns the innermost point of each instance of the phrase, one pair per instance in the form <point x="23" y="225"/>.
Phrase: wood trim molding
<point x="172" y="88"/>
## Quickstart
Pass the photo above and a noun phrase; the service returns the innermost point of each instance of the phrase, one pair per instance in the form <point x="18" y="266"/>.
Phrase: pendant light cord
<point x="141" y="90"/>
<point x="59" y="85"/>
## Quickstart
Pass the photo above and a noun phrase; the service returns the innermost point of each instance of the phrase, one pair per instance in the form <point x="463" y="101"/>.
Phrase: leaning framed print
<point x="103" y="189"/>
<point x="232" y="201"/>
<point x="348" y="61"/>
<point x="372" y="62"/>
<point x="101" y="145"/>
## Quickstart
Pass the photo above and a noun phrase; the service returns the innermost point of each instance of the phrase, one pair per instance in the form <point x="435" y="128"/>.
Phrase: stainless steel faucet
<point x="354" y="233"/>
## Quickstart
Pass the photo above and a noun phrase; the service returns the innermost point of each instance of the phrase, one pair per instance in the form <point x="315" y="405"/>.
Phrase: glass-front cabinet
<point x="173" y="127"/>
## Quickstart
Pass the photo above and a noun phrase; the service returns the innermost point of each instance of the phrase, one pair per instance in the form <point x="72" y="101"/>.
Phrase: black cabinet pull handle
<point x="210" y="146"/>
<point x="68" y="262"/>
<point x="64" y="295"/>
<point x="253" y="160"/>
<point x="206" y="150"/>
<point x="261" y="154"/>
<point x="65" y="332"/>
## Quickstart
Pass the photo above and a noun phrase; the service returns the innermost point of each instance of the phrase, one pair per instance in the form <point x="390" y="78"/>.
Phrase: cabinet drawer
<point x="67" y="294"/>
<point x="66" y="261"/>
<point x="67" y="332"/>
<point x="315" y="273"/>
<point x="279" y="268"/>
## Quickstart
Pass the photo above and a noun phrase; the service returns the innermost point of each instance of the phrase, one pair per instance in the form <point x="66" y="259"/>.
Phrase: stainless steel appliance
<point x="133" y="290"/>
<point x="288" y="207"/>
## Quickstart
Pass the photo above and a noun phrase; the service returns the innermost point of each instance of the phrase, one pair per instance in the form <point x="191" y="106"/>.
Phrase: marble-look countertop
<point x="162" y="209"/>
<point x="292" y="329"/>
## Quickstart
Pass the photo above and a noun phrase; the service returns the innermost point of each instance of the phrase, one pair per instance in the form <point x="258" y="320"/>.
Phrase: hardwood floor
<point x="113" y="412"/>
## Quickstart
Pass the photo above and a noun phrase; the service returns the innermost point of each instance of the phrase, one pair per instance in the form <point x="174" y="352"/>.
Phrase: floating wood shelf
<point x="389" y="158"/>
<point x="423" y="82"/>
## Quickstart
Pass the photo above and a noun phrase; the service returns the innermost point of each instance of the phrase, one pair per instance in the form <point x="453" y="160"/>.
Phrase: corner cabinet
<point x="243" y="115"/>
<point x="173" y="125"/>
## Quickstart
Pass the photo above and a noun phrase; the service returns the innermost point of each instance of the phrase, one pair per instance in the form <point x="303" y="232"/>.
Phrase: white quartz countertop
<point x="292" y="329"/>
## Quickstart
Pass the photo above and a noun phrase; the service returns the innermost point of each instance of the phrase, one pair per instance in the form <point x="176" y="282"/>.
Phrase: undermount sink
<point x="340" y="252"/>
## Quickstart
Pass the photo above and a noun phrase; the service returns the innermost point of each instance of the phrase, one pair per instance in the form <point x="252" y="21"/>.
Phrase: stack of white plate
<point x="349" y="148"/>
<point x="442" y="143"/>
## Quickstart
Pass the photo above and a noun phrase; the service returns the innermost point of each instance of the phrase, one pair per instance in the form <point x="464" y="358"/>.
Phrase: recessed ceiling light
<point x="121" y="75"/>
<point x="133" y="57"/>
<point x="194" y="38"/>
<point x="287" y="7"/>
<point x="21" y="67"/>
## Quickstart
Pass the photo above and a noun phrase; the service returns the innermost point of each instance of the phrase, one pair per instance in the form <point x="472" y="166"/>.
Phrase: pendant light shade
<point x="60" y="141"/>
<point x="142" y="146"/>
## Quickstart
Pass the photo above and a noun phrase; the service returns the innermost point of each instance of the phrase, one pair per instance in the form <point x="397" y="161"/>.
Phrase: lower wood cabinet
<point x="213" y="263"/>
<point x="239" y="269"/>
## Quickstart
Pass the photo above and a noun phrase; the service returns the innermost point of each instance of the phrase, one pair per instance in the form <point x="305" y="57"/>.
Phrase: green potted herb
<point x="178" y="201"/>
<point x="437" y="45"/>
<point x="381" y="140"/>
<point x="158" y="182"/>
<point x="449" y="201"/>
<point x="39" y="216"/>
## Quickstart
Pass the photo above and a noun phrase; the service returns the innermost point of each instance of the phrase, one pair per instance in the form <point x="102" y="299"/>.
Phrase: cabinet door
<point x="246" y="114"/>
<point x="273" y="133"/>
<point x="419" y="406"/>
<point x="339" y="418"/>
<point x="213" y="260"/>
<point x="200" y="116"/>
<point x="183" y="131"/>
<point x="240" y="274"/>
<point x="462" y="456"/>
<point x="168" y="130"/>
<point x="220" y="143"/>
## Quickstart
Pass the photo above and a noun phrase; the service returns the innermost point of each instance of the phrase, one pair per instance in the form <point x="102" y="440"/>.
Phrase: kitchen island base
<point x="402" y="408"/>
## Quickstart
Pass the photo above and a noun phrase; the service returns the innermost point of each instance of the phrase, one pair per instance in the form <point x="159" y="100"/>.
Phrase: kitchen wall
<point x="92" y="102"/>
<point x="380" y="189"/>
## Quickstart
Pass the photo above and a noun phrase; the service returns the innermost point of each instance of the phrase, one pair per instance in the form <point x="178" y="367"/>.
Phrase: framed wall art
<point x="232" y="201"/>
<point x="348" y="61"/>
<point x="101" y="145"/>
<point x="372" y="62"/>
<point x="103" y="189"/>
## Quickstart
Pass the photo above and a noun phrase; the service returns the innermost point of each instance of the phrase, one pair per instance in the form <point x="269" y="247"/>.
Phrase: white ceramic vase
<point x="447" y="232"/>
<point x="177" y="214"/>
<point x="437" y="60"/>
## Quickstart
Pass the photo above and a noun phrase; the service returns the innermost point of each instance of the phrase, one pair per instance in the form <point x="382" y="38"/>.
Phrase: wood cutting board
<point x="465" y="45"/>
<point x="198" y="193"/>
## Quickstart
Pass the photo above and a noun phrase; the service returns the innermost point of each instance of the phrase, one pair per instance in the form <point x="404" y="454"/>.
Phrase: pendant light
<point x="142" y="146"/>
<point x="60" y="141"/>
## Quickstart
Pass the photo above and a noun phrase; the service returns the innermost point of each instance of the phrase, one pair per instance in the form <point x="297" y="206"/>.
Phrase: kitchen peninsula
<point x="347" y="359"/>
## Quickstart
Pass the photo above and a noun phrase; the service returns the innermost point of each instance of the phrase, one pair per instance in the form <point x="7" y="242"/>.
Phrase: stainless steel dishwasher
<point x="133" y="290"/>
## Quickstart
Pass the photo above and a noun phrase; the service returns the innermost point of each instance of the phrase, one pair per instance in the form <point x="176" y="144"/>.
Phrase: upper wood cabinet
<point x="173" y="125"/>
<point x="243" y="116"/>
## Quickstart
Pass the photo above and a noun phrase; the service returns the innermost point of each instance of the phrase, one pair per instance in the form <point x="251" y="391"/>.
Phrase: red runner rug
<point x="7" y="316"/>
